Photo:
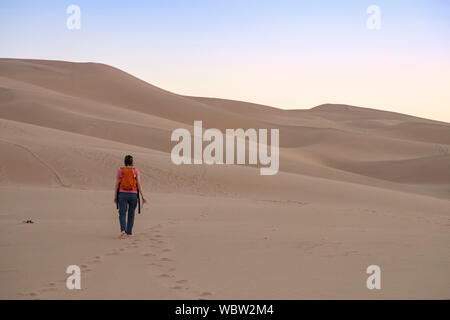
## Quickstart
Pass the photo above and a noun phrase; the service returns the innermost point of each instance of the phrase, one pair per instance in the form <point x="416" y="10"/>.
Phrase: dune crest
<point x="90" y="100"/>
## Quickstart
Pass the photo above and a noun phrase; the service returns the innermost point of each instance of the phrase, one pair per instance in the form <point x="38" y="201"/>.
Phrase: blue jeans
<point x="127" y="201"/>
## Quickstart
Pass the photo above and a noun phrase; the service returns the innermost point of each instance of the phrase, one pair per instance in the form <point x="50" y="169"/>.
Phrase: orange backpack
<point x="128" y="179"/>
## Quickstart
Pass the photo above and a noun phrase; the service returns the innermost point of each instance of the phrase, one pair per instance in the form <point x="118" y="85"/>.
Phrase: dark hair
<point x="128" y="160"/>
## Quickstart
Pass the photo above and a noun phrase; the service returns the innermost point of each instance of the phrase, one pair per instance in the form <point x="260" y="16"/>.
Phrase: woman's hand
<point x="144" y="200"/>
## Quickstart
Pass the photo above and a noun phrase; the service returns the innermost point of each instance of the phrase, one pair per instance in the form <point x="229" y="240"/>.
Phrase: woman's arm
<point x="138" y="181"/>
<point x="115" y="190"/>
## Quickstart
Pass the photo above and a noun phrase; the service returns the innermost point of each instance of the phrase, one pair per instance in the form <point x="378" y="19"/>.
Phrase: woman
<point x="129" y="182"/>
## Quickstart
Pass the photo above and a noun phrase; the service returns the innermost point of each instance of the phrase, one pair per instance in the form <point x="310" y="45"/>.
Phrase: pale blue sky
<point x="290" y="54"/>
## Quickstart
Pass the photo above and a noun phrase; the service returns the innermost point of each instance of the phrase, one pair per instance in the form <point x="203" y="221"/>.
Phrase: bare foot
<point x="123" y="235"/>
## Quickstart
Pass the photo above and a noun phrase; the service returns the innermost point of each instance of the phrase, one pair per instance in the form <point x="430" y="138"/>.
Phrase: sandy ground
<point x="356" y="187"/>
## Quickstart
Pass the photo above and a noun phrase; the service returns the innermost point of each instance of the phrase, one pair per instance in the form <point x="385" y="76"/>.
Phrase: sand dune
<point x="356" y="187"/>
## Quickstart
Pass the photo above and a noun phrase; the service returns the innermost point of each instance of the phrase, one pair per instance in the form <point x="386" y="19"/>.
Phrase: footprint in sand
<point x="205" y="294"/>
<point x="147" y="254"/>
<point x="164" y="275"/>
<point x="177" y="287"/>
<point x="155" y="264"/>
<point x="181" y="281"/>
<point x="165" y="259"/>
<point x="166" y="250"/>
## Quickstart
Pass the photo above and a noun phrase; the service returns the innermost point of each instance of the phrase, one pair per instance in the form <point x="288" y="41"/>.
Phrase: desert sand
<point x="356" y="187"/>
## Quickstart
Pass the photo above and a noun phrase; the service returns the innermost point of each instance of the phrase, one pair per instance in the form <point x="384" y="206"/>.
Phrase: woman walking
<point x="126" y="195"/>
